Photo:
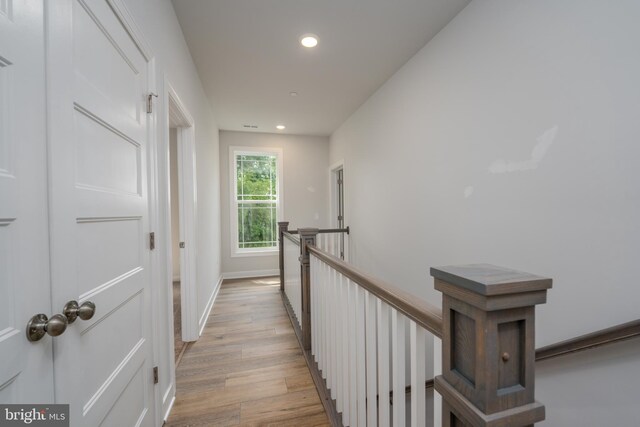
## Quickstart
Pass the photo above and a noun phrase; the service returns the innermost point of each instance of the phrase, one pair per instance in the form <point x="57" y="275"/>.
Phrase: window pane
<point x="256" y="177"/>
<point x="257" y="225"/>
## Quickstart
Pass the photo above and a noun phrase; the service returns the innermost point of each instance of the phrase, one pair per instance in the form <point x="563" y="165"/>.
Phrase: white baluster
<point x="298" y="294"/>
<point x="372" y="369"/>
<point x="313" y="302"/>
<point x="327" y="351"/>
<point x="437" y="370"/>
<point x="321" y="361"/>
<point x="334" y="336"/>
<point x="361" y="357"/>
<point x="398" y="368"/>
<point x="346" y="246"/>
<point x="353" y="383"/>
<point x="346" y="415"/>
<point x="330" y="319"/>
<point x="338" y="337"/>
<point x="327" y="319"/>
<point x="383" y="364"/>
<point x="320" y="313"/>
<point x="332" y="243"/>
<point x="418" y="394"/>
<point x="325" y="329"/>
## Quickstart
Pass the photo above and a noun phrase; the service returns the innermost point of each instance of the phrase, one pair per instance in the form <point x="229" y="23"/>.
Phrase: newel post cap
<point x="282" y="227"/>
<point x="307" y="236"/>
<point x="308" y="231"/>
<point x="487" y="279"/>
<point x="490" y="287"/>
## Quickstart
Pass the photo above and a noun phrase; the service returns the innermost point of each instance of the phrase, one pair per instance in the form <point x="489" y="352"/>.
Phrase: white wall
<point x="160" y="27"/>
<point x="306" y="189"/>
<point x="512" y="139"/>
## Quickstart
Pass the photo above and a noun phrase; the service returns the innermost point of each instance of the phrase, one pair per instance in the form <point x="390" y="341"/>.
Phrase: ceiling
<point x="249" y="58"/>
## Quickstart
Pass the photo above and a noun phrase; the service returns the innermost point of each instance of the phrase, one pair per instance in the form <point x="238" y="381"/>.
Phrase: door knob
<point x="39" y="325"/>
<point x="72" y="310"/>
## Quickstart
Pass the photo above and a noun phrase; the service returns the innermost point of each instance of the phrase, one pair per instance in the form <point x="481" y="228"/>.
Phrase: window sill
<point x="270" y="252"/>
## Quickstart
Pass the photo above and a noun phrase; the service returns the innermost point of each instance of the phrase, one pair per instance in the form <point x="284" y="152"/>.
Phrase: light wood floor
<point x="177" y="321"/>
<point x="247" y="368"/>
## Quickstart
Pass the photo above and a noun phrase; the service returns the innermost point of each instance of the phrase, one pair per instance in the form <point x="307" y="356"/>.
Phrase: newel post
<point x="307" y="237"/>
<point x="488" y="345"/>
<point x="282" y="227"/>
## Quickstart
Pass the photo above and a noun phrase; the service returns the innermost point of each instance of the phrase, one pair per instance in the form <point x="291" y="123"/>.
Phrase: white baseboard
<point x="250" y="274"/>
<point x="169" y="408"/>
<point x="207" y="310"/>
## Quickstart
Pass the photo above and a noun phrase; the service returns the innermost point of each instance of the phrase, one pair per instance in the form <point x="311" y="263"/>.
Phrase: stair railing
<point x="353" y="327"/>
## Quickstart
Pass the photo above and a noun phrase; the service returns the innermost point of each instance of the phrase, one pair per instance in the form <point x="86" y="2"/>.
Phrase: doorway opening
<point x="179" y="344"/>
<point x="337" y="204"/>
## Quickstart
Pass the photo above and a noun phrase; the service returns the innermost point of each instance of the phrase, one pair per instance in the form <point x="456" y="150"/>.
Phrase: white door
<point x="26" y="369"/>
<point x="98" y="141"/>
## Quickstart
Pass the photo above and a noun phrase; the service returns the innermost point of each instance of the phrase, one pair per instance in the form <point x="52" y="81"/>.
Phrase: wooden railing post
<point x="488" y="345"/>
<point x="282" y="227"/>
<point x="307" y="237"/>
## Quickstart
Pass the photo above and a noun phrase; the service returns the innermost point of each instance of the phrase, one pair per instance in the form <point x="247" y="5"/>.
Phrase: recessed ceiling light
<point x="294" y="93"/>
<point x="309" y="40"/>
<point x="280" y="127"/>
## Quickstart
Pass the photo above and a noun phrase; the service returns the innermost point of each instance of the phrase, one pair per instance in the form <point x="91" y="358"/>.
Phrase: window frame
<point x="234" y="151"/>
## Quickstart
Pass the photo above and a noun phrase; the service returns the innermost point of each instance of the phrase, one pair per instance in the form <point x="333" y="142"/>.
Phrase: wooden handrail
<point x="431" y="318"/>
<point x="416" y="309"/>
<point x="325" y="230"/>
<point x="333" y="230"/>
<point x="610" y="335"/>
<point x="289" y="235"/>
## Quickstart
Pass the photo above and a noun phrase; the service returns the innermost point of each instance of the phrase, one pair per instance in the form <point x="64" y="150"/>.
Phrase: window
<point x="256" y="177"/>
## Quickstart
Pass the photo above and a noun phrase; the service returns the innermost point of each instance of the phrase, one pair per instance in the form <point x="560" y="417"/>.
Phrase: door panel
<point x="99" y="214"/>
<point x="105" y="160"/>
<point x="26" y="371"/>
<point x="125" y="412"/>
<point x="119" y="243"/>
<point x="117" y="74"/>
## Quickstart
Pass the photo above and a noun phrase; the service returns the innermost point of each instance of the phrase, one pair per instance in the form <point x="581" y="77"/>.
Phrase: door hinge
<point x="155" y="375"/>
<point x="339" y="181"/>
<point x="152" y="240"/>
<point x="181" y="245"/>
<point x="150" y="102"/>
<point x="340" y="217"/>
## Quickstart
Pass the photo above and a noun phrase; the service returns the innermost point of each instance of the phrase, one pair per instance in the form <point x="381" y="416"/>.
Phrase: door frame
<point x="333" y="192"/>
<point x="173" y="109"/>
<point x="333" y="204"/>
<point x="187" y="199"/>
